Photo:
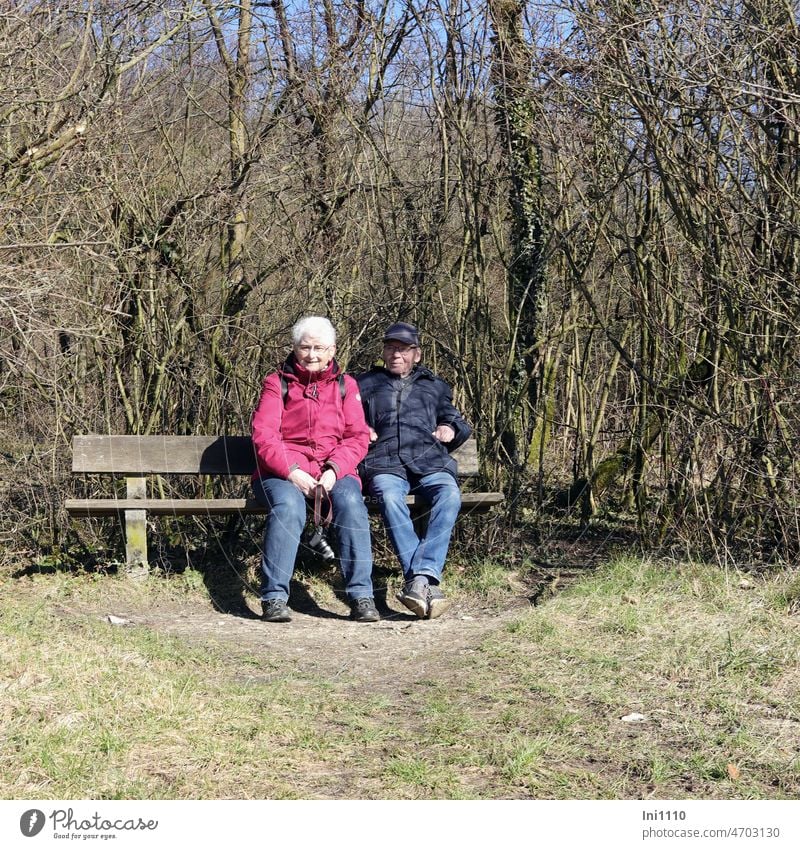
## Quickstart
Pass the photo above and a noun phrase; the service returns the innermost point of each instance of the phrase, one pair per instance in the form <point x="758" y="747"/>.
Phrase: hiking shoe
<point x="437" y="602"/>
<point x="275" y="610"/>
<point x="415" y="596"/>
<point x="364" y="610"/>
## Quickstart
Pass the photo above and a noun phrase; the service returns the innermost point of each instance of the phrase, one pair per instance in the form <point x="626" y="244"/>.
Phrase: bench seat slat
<point x="218" y="506"/>
<point x="161" y="506"/>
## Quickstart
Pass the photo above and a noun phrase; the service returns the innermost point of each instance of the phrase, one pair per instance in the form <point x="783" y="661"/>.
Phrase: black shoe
<point x="437" y="602"/>
<point x="415" y="595"/>
<point x="364" y="610"/>
<point x="275" y="610"/>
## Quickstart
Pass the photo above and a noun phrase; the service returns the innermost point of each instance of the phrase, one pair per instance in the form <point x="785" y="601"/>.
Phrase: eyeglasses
<point x="313" y="349"/>
<point x="405" y="350"/>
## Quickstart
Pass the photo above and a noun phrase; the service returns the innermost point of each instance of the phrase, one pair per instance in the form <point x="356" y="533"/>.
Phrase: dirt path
<point x="324" y="643"/>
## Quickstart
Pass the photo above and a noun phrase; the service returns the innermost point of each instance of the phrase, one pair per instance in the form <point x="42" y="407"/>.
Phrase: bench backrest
<point x="191" y="455"/>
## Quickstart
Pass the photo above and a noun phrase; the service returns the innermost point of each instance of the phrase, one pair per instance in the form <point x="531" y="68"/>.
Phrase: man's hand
<point x="303" y="481"/>
<point x="444" y="433"/>
<point x="373" y="436"/>
<point x="327" y="479"/>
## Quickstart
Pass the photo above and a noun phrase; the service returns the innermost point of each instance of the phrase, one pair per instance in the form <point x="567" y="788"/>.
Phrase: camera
<point x="316" y="540"/>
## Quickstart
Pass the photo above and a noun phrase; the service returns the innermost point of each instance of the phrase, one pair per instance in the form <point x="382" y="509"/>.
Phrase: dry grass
<point x="534" y="710"/>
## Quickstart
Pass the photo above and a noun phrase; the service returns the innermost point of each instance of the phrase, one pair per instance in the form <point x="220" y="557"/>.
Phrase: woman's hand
<point x="327" y="479"/>
<point x="303" y="481"/>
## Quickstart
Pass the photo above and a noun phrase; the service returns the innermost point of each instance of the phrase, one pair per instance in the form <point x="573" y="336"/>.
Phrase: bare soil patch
<point x="321" y="642"/>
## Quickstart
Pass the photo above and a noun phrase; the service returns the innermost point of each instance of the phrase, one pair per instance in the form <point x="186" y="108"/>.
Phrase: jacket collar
<point x="292" y="370"/>
<point x="419" y="372"/>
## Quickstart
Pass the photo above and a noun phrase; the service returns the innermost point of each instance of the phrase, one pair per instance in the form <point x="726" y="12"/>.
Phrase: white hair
<point x="314" y="325"/>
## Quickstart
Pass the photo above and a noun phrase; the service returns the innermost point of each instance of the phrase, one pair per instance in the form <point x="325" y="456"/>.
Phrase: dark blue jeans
<point x="285" y="522"/>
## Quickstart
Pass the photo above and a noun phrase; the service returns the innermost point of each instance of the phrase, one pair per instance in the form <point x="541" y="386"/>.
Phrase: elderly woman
<point x="309" y="430"/>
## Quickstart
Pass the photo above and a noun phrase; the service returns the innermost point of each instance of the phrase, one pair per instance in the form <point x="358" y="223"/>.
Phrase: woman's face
<point x="314" y="353"/>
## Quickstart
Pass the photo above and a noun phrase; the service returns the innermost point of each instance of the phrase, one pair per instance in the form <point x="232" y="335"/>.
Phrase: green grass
<point x="712" y="665"/>
<point x="533" y="710"/>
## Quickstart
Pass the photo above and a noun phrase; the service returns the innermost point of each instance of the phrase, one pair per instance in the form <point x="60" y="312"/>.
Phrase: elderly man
<point x="413" y="428"/>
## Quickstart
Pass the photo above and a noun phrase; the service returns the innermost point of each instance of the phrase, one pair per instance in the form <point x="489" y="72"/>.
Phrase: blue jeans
<point x="417" y="556"/>
<point x="285" y="522"/>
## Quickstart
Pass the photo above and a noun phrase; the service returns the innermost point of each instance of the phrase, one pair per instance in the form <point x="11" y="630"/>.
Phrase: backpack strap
<point x="285" y="387"/>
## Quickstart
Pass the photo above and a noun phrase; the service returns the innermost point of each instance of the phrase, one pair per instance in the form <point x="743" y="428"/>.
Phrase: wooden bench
<point x="137" y="458"/>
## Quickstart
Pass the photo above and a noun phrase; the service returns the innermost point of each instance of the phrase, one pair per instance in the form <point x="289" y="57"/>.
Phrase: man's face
<point x="313" y="353"/>
<point x="400" y="358"/>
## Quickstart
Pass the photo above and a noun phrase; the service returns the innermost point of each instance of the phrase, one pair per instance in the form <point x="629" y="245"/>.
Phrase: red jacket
<point x="313" y="427"/>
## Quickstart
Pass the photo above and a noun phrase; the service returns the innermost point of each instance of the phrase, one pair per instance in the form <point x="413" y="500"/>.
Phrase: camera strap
<point x="323" y="508"/>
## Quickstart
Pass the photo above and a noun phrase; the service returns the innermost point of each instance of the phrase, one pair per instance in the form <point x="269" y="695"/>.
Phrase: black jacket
<point x="404" y="413"/>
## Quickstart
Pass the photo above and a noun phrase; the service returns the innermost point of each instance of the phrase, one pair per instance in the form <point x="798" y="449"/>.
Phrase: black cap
<point x="402" y="332"/>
